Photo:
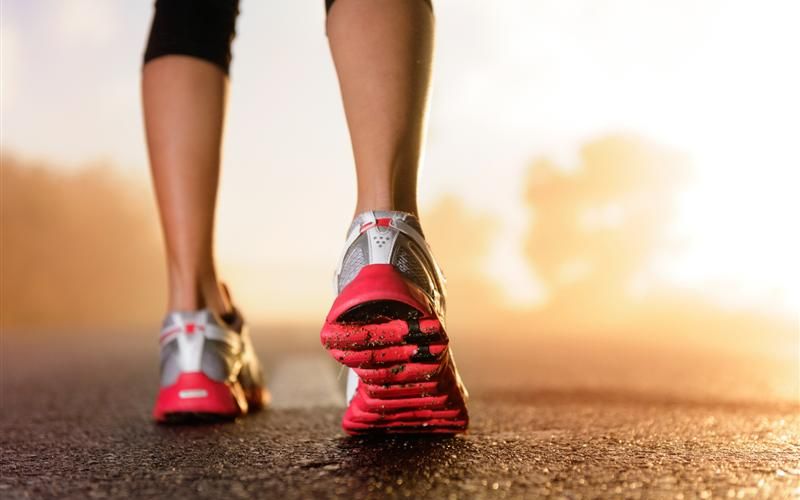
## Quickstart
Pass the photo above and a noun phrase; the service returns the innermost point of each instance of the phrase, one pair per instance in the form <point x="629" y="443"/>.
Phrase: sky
<point x="514" y="80"/>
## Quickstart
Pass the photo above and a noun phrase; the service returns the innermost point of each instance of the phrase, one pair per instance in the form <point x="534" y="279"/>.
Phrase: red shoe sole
<point x="196" y="397"/>
<point x="408" y="383"/>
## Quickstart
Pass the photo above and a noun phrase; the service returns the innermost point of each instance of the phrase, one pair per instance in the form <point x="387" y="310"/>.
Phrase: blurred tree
<point x="597" y="225"/>
<point x="461" y="239"/>
<point x="78" y="249"/>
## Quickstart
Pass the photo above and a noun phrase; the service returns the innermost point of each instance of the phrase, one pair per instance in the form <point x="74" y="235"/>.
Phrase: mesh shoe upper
<point x="392" y="354"/>
<point x="392" y="237"/>
<point x="199" y="341"/>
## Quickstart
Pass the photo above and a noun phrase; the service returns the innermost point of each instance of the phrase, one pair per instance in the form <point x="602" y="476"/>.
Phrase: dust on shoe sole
<point x="407" y="381"/>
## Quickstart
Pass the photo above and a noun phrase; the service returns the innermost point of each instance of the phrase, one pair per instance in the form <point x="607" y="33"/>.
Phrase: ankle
<point x="194" y="291"/>
<point x="365" y="204"/>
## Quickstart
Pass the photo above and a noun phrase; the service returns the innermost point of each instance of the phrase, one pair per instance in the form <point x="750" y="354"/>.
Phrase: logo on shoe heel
<point x="193" y="393"/>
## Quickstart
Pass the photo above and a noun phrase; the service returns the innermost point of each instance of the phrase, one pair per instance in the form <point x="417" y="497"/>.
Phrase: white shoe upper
<point x="392" y="237"/>
<point x="200" y="341"/>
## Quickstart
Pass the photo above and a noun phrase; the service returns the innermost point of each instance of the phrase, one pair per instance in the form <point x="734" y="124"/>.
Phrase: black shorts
<point x="200" y="28"/>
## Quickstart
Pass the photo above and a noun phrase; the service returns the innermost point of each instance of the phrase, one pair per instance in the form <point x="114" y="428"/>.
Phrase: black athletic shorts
<point x="200" y="28"/>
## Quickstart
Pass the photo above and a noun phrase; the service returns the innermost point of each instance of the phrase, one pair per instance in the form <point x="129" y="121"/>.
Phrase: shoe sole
<point x="400" y="352"/>
<point x="196" y="398"/>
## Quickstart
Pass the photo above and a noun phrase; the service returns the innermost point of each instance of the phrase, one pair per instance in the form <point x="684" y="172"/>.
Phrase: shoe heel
<point x="195" y="396"/>
<point x="383" y="329"/>
<point x="379" y="283"/>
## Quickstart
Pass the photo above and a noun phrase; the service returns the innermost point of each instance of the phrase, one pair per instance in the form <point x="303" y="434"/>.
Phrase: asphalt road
<point x="548" y="419"/>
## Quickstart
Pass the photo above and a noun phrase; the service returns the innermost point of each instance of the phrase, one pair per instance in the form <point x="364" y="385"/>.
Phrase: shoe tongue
<point x="372" y="216"/>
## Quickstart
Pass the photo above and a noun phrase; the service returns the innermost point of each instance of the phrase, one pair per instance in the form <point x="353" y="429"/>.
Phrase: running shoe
<point x="387" y="326"/>
<point x="209" y="370"/>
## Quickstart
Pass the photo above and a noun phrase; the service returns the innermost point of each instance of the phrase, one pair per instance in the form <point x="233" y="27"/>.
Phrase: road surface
<point x="549" y="418"/>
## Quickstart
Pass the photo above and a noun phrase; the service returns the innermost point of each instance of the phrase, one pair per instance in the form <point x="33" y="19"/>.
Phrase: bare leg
<point x="383" y="51"/>
<point x="184" y="107"/>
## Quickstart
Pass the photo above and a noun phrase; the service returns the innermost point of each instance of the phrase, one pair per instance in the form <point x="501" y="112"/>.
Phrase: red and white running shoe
<point x="387" y="325"/>
<point x="209" y="369"/>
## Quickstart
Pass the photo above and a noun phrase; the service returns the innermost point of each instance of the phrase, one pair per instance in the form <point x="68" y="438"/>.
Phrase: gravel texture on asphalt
<point x="75" y="424"/>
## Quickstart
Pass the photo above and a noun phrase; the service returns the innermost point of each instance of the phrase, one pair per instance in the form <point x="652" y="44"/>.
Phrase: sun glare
<point x="737" y="236"/>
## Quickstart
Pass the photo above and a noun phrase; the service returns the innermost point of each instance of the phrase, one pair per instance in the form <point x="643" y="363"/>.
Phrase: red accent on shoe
<point x="441" y="409"/>
<point x="376" y="357"/>
<point x="195" y="392"/>
<point x="169" y="332"/>
<point x="355" y="337"/>
<point x="357" y="414"/>
<point x="398" y="391"/>
<point x="354" y="422"/>
<point x="383" y="221"/>
<point x="378" y="405"/>
<point x="408" y="382"/>
<point x="376" y="282"/>
<point x="398" y="374"/>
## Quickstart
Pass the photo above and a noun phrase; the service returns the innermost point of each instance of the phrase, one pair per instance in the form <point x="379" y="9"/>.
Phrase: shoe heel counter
<point x="190" y="351"/>
<point x="381" y="241"/>
<point x="182" y="350"/>
<point x="374" y="244"/>
<point x="379" y="282"/>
